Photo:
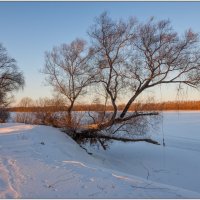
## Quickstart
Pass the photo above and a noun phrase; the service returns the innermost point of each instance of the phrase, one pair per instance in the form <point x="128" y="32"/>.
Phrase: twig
<point x="148" y="174"/>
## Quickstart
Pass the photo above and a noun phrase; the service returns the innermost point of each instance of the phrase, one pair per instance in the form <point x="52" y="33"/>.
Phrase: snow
<point x="43" y="162"/>
<point x="177" y="163"/>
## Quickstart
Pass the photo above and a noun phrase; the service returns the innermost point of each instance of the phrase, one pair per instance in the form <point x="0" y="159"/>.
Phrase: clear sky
<point x="28" y="29"/>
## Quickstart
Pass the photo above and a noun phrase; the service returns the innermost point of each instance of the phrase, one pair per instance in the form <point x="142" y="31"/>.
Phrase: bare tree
<point x="130" y="58"/>
<point x="26" y="102"/>
<point x="25" y="116"/>
<point x="11" y="79"/>
<point x="112" y="42"/>
<point x="133" y="57"/>
<point x="68" y="70"/>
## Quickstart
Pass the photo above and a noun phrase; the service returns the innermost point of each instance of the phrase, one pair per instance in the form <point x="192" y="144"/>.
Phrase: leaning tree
<point x="11" y="79"/>
<point x="130" y="58"/>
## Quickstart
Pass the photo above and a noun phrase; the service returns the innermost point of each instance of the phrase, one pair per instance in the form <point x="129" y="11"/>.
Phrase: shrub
<point x="4" y="115"/>
<point x="25" y="117"/>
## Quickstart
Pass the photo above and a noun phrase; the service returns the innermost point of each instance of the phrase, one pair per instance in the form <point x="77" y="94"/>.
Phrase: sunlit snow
<point x="43" y="162"/>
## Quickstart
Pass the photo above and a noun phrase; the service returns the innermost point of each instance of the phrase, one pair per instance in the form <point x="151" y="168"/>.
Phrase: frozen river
<point x="177" y="163"/>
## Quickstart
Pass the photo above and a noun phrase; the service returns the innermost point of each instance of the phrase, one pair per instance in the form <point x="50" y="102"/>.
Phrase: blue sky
<point x="28" y="29"/>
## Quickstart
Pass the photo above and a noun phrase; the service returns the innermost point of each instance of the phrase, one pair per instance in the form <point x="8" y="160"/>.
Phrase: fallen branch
<point x="97" y="135"/>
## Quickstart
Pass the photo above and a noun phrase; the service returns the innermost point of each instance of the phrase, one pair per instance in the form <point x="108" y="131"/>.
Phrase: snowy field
<point x="43" y="162"/>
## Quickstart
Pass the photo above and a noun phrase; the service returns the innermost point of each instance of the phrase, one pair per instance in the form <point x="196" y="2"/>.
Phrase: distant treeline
<point x="175" y="105"/>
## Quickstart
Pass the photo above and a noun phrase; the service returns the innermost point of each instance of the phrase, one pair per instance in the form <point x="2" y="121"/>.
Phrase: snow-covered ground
<point x="43" y="162"/>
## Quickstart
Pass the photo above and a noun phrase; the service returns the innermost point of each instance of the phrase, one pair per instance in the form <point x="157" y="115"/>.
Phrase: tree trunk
<point x="69" y="114"/>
